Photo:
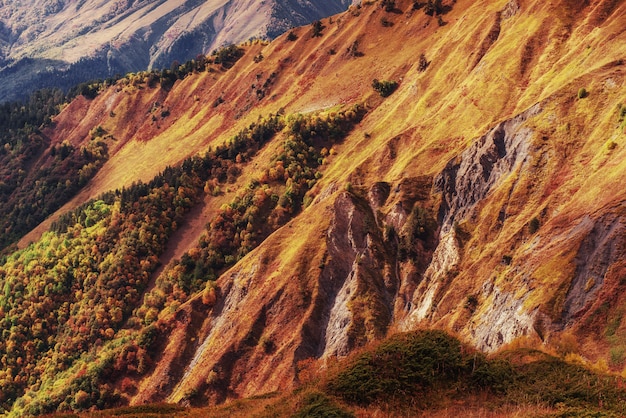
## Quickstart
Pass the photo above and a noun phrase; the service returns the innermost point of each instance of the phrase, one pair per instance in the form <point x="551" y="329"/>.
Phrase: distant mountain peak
<point x="40" y="37"/>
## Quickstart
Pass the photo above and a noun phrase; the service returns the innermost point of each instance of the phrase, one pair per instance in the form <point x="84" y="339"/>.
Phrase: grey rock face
<point x="603" y="244"/>
<point x="469" y="178"/>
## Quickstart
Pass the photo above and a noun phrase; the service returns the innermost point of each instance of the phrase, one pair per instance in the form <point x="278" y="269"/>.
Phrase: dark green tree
<point x="318" y="27"/>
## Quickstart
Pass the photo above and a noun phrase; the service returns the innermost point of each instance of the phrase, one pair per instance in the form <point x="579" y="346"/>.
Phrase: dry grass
<point x="432" y="117"/>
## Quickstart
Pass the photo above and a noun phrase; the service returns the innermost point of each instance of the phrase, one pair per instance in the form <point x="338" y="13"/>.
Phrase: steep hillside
<point x="400" y="166"/>
<point x="58" y="43"/>
<point x="426" y="373"/>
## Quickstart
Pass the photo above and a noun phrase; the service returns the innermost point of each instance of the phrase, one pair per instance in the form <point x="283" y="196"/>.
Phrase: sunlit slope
<point x="447" y="105"/>
<point x="511" y="261"/>
<point x="484" y="196"/>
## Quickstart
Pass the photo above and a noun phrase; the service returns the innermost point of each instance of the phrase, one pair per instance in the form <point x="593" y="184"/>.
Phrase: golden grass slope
<point x="489" y="62"/>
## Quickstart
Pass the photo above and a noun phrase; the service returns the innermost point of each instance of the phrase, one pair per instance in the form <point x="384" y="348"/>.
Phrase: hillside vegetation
<point x="38" y="177"/>
<point x="252" y="216"/>
<point x="428" y="373"/>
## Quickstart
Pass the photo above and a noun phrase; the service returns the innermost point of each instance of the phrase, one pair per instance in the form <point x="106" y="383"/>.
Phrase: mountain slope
<point x="483" y="196"/>
<point x="68" y="42"/>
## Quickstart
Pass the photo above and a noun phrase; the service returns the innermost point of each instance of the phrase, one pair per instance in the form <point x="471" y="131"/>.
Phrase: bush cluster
<point x="412" y="367"/>
<point x="401" y="366"/>
<point x="318" y="405"/>
<point x="385" y="88"/>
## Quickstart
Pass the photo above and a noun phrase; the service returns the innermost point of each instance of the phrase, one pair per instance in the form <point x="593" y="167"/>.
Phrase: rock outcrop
<point x="465" y="182"/>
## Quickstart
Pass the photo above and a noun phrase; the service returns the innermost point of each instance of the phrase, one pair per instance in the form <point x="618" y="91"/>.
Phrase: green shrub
<point x="423" y="63"/>
<point x="420" y="226"/>
<point x="400" y="366"/>
<point x="471" y="303"/>
<point x="617" y="355"/>
<point x="353" y="50"/>
<point x="318" y="405"/>
<point x="388" y="5"/>
<point x="317" y="28"/>
<point x="385" y="88"/>
<point x="156" y="408"/>
<point x="582" y="93"/>
<point x="492" y="375"/>
<point x="533" y="225"/>
<point x="552" y="382"/>
<point x="422" y="365"/>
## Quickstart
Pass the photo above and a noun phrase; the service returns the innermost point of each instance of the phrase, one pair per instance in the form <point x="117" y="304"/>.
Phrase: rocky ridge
<point x="68" y="42"/>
